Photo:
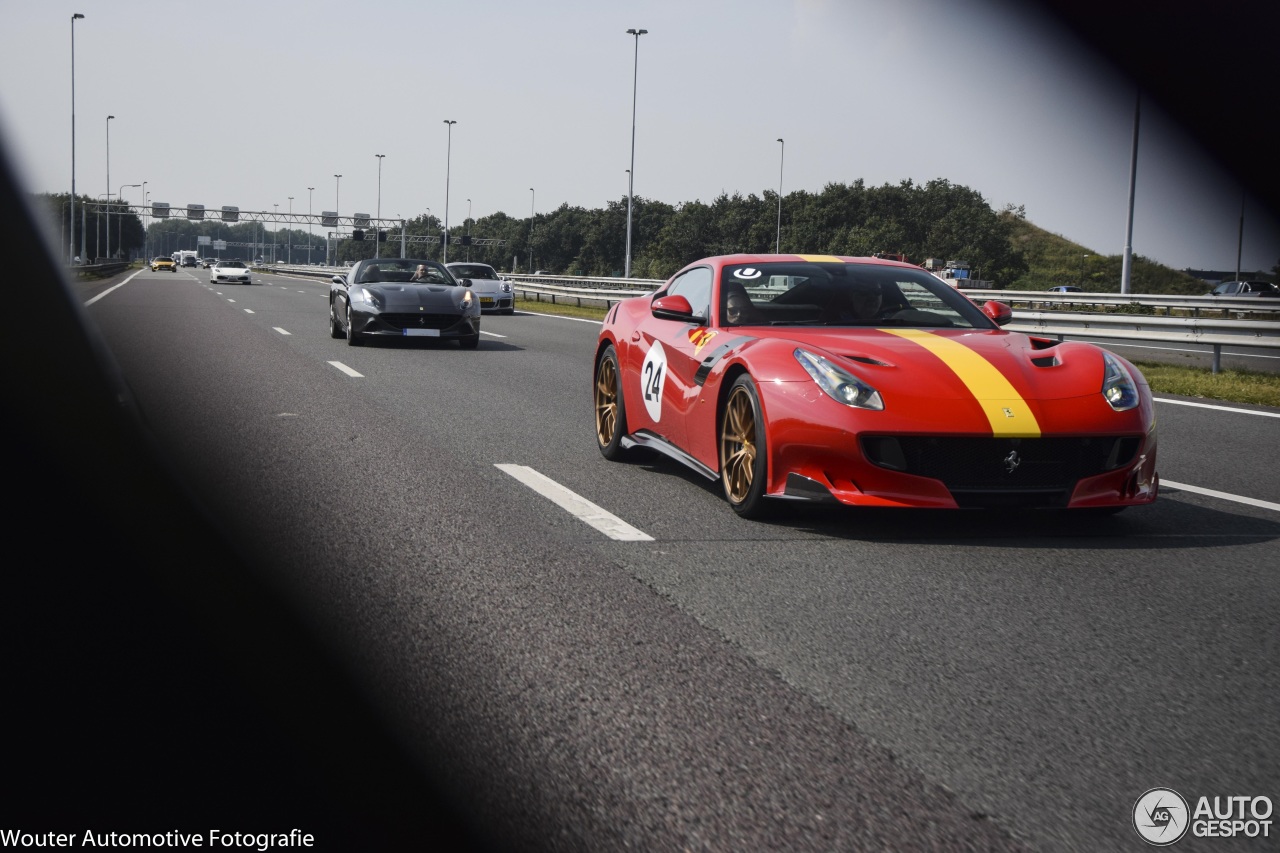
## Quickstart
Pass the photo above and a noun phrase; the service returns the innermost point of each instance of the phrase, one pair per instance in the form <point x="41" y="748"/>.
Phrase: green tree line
<point x="937" y="219"/>
<point x="92" y="218"/>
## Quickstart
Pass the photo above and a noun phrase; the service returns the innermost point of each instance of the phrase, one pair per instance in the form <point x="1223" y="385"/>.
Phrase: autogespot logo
<point x="1160" y="816"/>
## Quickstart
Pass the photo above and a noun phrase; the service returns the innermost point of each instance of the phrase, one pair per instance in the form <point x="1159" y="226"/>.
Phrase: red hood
<point x="931" y="363"/>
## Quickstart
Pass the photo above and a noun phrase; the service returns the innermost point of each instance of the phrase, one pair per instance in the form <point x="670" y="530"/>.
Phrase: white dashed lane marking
<point x="1226" y="496"/>
<point x="604" y="521"/>
<point x="347" y="370"/>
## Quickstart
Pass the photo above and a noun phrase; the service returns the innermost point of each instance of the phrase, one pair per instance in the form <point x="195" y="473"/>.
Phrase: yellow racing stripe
<point x="1006" y="410"/>
<point x="821" y="259"/>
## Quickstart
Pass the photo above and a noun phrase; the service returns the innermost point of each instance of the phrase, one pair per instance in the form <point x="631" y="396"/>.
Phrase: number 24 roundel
<point x="652" y="376"/>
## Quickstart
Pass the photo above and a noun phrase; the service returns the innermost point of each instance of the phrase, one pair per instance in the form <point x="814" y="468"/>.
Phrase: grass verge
<point x="1233" y="386"/>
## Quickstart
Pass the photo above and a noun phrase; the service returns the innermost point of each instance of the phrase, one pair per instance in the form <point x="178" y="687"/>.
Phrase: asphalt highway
<point x="826" y="680"/>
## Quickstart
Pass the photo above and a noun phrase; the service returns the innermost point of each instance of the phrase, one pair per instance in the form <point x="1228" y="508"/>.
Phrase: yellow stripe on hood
<point x="1006" y="410"/>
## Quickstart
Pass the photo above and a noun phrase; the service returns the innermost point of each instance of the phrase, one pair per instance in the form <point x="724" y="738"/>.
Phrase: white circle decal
<point x="652" y="377"/>
<point x="747" y="273"/>
<point x="1160" y="816"/>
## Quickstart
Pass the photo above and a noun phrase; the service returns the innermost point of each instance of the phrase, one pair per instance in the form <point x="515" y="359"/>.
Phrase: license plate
<point x="421" y="333"/>
<point x="486" y="300"/>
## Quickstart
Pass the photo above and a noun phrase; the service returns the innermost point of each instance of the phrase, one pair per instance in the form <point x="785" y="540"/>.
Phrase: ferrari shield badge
<point x="700" y="338"/>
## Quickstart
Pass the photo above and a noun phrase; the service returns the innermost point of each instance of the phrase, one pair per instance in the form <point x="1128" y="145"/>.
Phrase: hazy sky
<point x="249" y="103"/>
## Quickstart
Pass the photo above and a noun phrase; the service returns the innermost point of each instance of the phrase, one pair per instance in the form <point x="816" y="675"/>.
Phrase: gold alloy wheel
<point x="606" y="401"/>
<point x="738" y="445"/>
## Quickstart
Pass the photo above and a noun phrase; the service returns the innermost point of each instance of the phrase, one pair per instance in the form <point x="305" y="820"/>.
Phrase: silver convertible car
<point x="402" y="297"/>
<point x="493" y="291"/>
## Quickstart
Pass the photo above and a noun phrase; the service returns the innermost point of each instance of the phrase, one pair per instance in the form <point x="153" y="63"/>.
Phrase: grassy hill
<point x="1055" y="260"/>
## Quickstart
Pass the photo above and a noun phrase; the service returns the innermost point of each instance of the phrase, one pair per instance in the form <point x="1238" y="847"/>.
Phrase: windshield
<point x="840" y="294"/>
<point x="406" y="270"/>
<point x="231" y="264"/>
<point x="473" y="271"/>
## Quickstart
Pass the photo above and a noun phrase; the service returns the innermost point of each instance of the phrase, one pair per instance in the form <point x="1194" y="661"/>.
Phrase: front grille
<point x="421" y="320"/>
<point x="1003" y="471"/>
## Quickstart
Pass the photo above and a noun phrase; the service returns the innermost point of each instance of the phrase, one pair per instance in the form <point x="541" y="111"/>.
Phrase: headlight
<point x="839" y="384"/>
<point x="1118" y="387"/>
<point x="468" y="299"/>
<point x="365" y="295"/>
<point x="506" y="287"/>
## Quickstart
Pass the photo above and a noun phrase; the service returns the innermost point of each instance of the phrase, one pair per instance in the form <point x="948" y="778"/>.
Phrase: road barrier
<point x="1239" y="327"/>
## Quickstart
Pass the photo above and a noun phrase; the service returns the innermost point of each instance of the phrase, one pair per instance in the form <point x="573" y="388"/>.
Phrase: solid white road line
<point x="248" y="311"/>
<point x="492" y="334"/>
<point x="346" y="370"/>
<point x="561" y="317"/>
<point x="1218" y="408"/>
<point x="280" y="330"/>
<point x="606" y="522"/>
<point x="1226" y="496"/>
<point x="113" y="287"/>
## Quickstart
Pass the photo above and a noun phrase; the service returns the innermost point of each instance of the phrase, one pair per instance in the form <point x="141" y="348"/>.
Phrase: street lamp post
<point x="145" y="221"/>
<point x="444" y="255"/>
<point x="71" y="241"/>
<point x="309" y="191"/>
<point x="109" y="118"/>
<point x="626" y="272"/>
<point x="1082" y="257"/>
<point x="276" y="238"/>
<point x="377" y="246"/>
<point x="289" y="251"/>
<point x="532" y="199"/>
<point x="782" y="151"/>
<point x="468" y="228"/>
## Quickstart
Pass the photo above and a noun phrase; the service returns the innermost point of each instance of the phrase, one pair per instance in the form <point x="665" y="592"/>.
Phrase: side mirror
<point x="464" y="282"/>
<point x="339" y="279"/>
<point x="998" y="311"/>
<point x="674" y="307"/>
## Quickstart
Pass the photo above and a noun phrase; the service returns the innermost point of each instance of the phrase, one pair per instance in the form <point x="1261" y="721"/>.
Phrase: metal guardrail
<point x="99" y="270"/>
<point x="1173" y="335"/>
<point x="1168" y="303"/>
<point x="1214" y="332"/>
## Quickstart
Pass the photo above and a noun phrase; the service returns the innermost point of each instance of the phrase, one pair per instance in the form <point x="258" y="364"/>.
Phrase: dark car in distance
<point x="403" y="297"/>
<point x="1245" y="288"/>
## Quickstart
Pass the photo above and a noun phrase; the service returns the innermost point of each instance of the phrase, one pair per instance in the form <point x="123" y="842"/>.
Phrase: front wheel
<point x="743" y="450"/>
<point x="611" y="412"/>
<point x="470" y="341"/>
<point x="353" y="340"/>
<point x="335" y="328"/>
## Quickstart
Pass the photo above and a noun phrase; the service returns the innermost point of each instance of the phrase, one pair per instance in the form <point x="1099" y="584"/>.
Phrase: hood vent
<point x="866" y="359"/>
<point x="1042" y="343"/>
<point x="1046" y="361"/>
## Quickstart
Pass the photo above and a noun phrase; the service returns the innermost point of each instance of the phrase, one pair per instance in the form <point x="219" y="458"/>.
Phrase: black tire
<point x="470" y="342"/>
<point x="744" y="450"/>
<point x="611" y="410"/>
<point x="353" y="339"/>
<point x="335" y="328"/>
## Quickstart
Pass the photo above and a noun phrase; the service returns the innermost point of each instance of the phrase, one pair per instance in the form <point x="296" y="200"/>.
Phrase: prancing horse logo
<point x="1011" y="462"/>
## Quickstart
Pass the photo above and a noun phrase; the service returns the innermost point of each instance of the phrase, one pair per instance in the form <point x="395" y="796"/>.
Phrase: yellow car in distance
<point x="158" y="264"/>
